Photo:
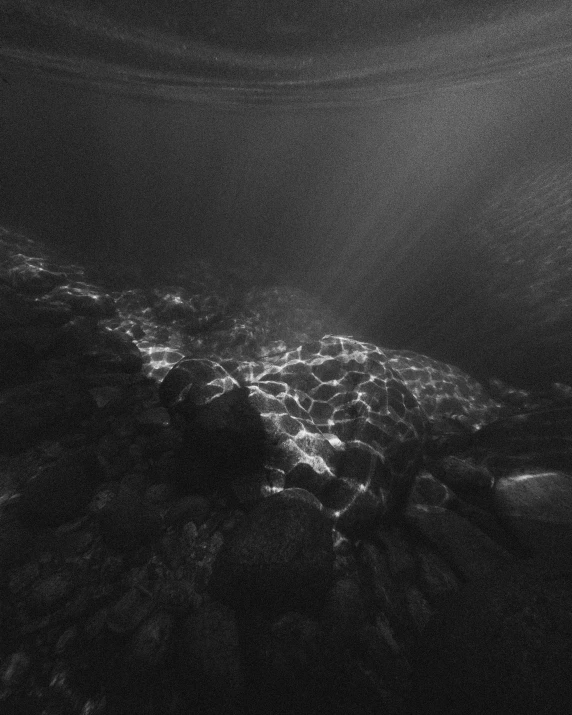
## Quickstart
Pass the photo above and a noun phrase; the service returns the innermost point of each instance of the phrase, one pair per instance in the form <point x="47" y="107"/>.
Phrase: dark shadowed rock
<point x="505" y="646"/>
<point x="128" y="521"/>
<point x="211" y="662"/>
<point x="129" y="611"/>
<point x="192" y="507"/>
<point x="344" y="614"/>
<point x="14" y="309"/>
<point x="15" y="540"/>
<point x="227" y="433"/>
<point x="293" y="676"/>
<point x="112" y="352"/>
<point x="41" y="410"/>
<point x="50" y="592"/>
<point x="154" y="419"/>
<point x="38" y="337"/>
<point x="462" y="545"/>
<point x="59" y="492"/>
<point x="16" y="362"/>
<point x="279" y="556"/>
<point x="97" y="349"/>
<point x="150" y="644"/>
<point x="462" y="475"/>
<point x="305" y="477"/>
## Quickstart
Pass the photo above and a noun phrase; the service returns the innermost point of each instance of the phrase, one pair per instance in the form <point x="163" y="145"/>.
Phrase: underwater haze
<point x="419" y="186"/>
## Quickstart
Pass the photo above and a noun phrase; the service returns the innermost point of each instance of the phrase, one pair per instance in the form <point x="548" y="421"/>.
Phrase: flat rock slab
<point x="537" y="507"/>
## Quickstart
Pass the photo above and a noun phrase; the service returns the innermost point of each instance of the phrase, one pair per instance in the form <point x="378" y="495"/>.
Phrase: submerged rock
<point x="466" y="548"/>
<point x="537" y="507"/>
<point x="211" y="661"/>
<point x="279" y="556"/>
<point x="60" y="491"/>
<point x="504" y="647"/>
<point x="128" y="521"/>
<point x="41" y="410"/>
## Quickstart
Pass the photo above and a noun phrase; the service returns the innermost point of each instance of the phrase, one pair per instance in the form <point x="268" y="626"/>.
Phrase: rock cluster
<point x="159" y="553"/>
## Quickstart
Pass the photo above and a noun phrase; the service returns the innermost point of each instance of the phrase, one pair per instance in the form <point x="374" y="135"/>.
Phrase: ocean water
<point x="420" y="188"/>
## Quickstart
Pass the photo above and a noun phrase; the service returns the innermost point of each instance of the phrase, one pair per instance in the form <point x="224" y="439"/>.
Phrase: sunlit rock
<point x="537" y="506"/>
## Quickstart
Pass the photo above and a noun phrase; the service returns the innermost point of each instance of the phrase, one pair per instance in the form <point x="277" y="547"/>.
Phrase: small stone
<point x="129" y="611"/>
<point x="400" y="556"/>
<point x="66" y="640"/>
<point x="430" y="491"/>
<point x="436" y="579"/>
<point x="150" y="644"/>
<point x="104" y="495"/>
<point x="14" y="669"/>
<point x="51" y="591"/>
<point x="159" y="493"/>
<point x="418" y="607"/>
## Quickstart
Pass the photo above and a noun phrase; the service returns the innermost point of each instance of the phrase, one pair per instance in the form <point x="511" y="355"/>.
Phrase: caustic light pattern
<point x="358" y="415"/>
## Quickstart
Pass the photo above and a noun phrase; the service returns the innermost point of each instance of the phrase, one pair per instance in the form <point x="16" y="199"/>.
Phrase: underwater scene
<point x="285" y="338"/>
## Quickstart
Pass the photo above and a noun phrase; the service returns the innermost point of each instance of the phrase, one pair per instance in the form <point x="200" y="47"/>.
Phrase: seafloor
<point x="211" y="501"/>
